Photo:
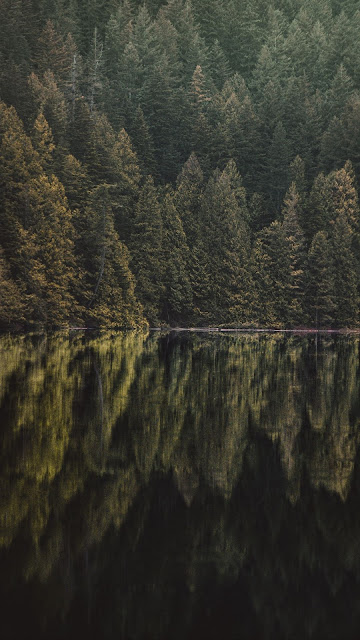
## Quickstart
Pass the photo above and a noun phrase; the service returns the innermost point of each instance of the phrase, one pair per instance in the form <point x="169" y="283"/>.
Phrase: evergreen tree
<point x="317" y="214"/>
<point x="320" y="292"/>
<point x="177" y="294"/>
<point x="226" y="237"/>
<point x="143" y="143"/>
<point x="43" y="142"/>
<point x="199" y="127"/>
<point x="295" y="246"/>
<point x="49" y="100"/>
<point x="146" y="251"/>
<point x="269" y="270"/>
<point x="12" y="309"/>
<point x="188" y="198"/>
<point x="345" y="274"/>
<point x="109" y="289"/>
<point x="188" y="201"/>
<point x="53" y="54"/>
<point x="277" y="165"/>
<point x="240" y="130"/>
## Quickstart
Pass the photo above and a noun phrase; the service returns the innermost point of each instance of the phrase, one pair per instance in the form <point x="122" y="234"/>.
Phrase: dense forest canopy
<point x="176" y="162"/>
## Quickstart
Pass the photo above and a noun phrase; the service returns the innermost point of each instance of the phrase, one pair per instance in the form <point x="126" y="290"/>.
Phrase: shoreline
<point x="167" y="329"/>
<point x="342" y="331"/>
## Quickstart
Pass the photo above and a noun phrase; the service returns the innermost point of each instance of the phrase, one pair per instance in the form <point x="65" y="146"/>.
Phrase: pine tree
<point x="219" y="65"/>
<point x="43" y="142"/>
<point x="295" y="258"/>
<point x="51" y="224"/>
<point x="177" y="294"/>
<point x="277" y="165"/>
<point x="76" y="181"/>
<point x="53" y="54"/>
<point x="36" y="226"/>
<point x="188" y="198"/>
<point x="226" y="238"/>
<point x="278" y="262"/>
<point x="341" y="140"/>
<point x="124" y="180"/>
<point x="188" y="201"/>
<point x="117" y="37"/>
<point x="269" y="270"/>
<point x="109" y="289"/>
<point x="199" y="128"/>
<point x="317" y="215"/>
<point x="49" y="100"/>
<point x="12" y="309"/>
<point x="320" y="292"/>
<point x="143" y="144"/>
<point x="240" y="130"/>
<point x="146" y="251"/>
<point x="94" y="72"/>
<point x="339" y="93"/>
<point x="191" y="46"/>
<point x="345" y="273"/>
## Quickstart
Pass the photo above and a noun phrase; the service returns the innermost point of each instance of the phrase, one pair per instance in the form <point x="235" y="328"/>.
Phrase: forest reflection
<point x="180" y="486"/>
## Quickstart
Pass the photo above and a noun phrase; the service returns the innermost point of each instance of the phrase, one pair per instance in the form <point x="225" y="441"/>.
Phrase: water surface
<point x="179" y="486"/>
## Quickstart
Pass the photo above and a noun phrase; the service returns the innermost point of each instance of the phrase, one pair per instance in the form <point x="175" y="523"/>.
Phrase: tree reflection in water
<point x="180" y="486"/>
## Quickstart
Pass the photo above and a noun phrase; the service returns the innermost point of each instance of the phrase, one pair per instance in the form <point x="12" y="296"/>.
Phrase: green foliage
<point x="177" y="294"/>
<point x="320" y="293"/>
<point x="110" y="97"/>
<point x="146" y="250"/>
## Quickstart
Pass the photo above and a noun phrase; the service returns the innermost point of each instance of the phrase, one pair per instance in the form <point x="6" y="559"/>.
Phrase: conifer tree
<point x="146" y="251"/>
<point x="345" y="273"/>
<point x="177" y="294"/>
<point x="36" y="226"/>
<point x="76" y="181"/>
<point x="53" y="54"/>
<point x="277" y="165"/>
<point x="295" y="256"/>
<point x="12" y="309"/>
<point x="269" y="274"/>
<point x="191" y="46"/>
<point x="43" y="142"/>
<point x="199" y="127"/>
<point x="317" y="215"/>
<point x="240" y="130"/>
<point x="219" y="65"/>
<point x="226" y="238"/>
<point x="188" y="201"/>
<point x="49" y="100"/>
<point x="143" y="143"/>
<point x="108" y="296"/>
<point x="188" y="198"/>
<point x="320" y="292"/>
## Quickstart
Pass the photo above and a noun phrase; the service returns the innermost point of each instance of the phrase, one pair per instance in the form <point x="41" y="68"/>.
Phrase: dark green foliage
<point x="345" y="273"/>
<point x="320" y="292"/>
<point x="177" y="293"/>
<point x="146" y="251"/>
<point x="161" y="106"/>
<point x="109" y="287"/>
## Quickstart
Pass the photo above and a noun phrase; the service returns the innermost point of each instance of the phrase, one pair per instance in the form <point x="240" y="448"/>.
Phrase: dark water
<point x="179" y="487"/>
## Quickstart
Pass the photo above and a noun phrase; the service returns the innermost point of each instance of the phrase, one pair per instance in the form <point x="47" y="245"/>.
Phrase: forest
<point x="171" y="163"/>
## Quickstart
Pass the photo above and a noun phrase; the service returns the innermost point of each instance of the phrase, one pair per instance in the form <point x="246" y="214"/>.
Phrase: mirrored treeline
<point x="179" y="486"/>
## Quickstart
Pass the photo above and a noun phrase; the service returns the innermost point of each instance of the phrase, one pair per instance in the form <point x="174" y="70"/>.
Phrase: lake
<point x="179" y="486"/>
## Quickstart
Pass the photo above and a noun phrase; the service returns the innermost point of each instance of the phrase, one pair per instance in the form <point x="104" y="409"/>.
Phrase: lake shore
<point x="305" y="330"/>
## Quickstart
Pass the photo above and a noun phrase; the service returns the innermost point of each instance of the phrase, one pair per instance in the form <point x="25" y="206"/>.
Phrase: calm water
<point x="179" y="487"/>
